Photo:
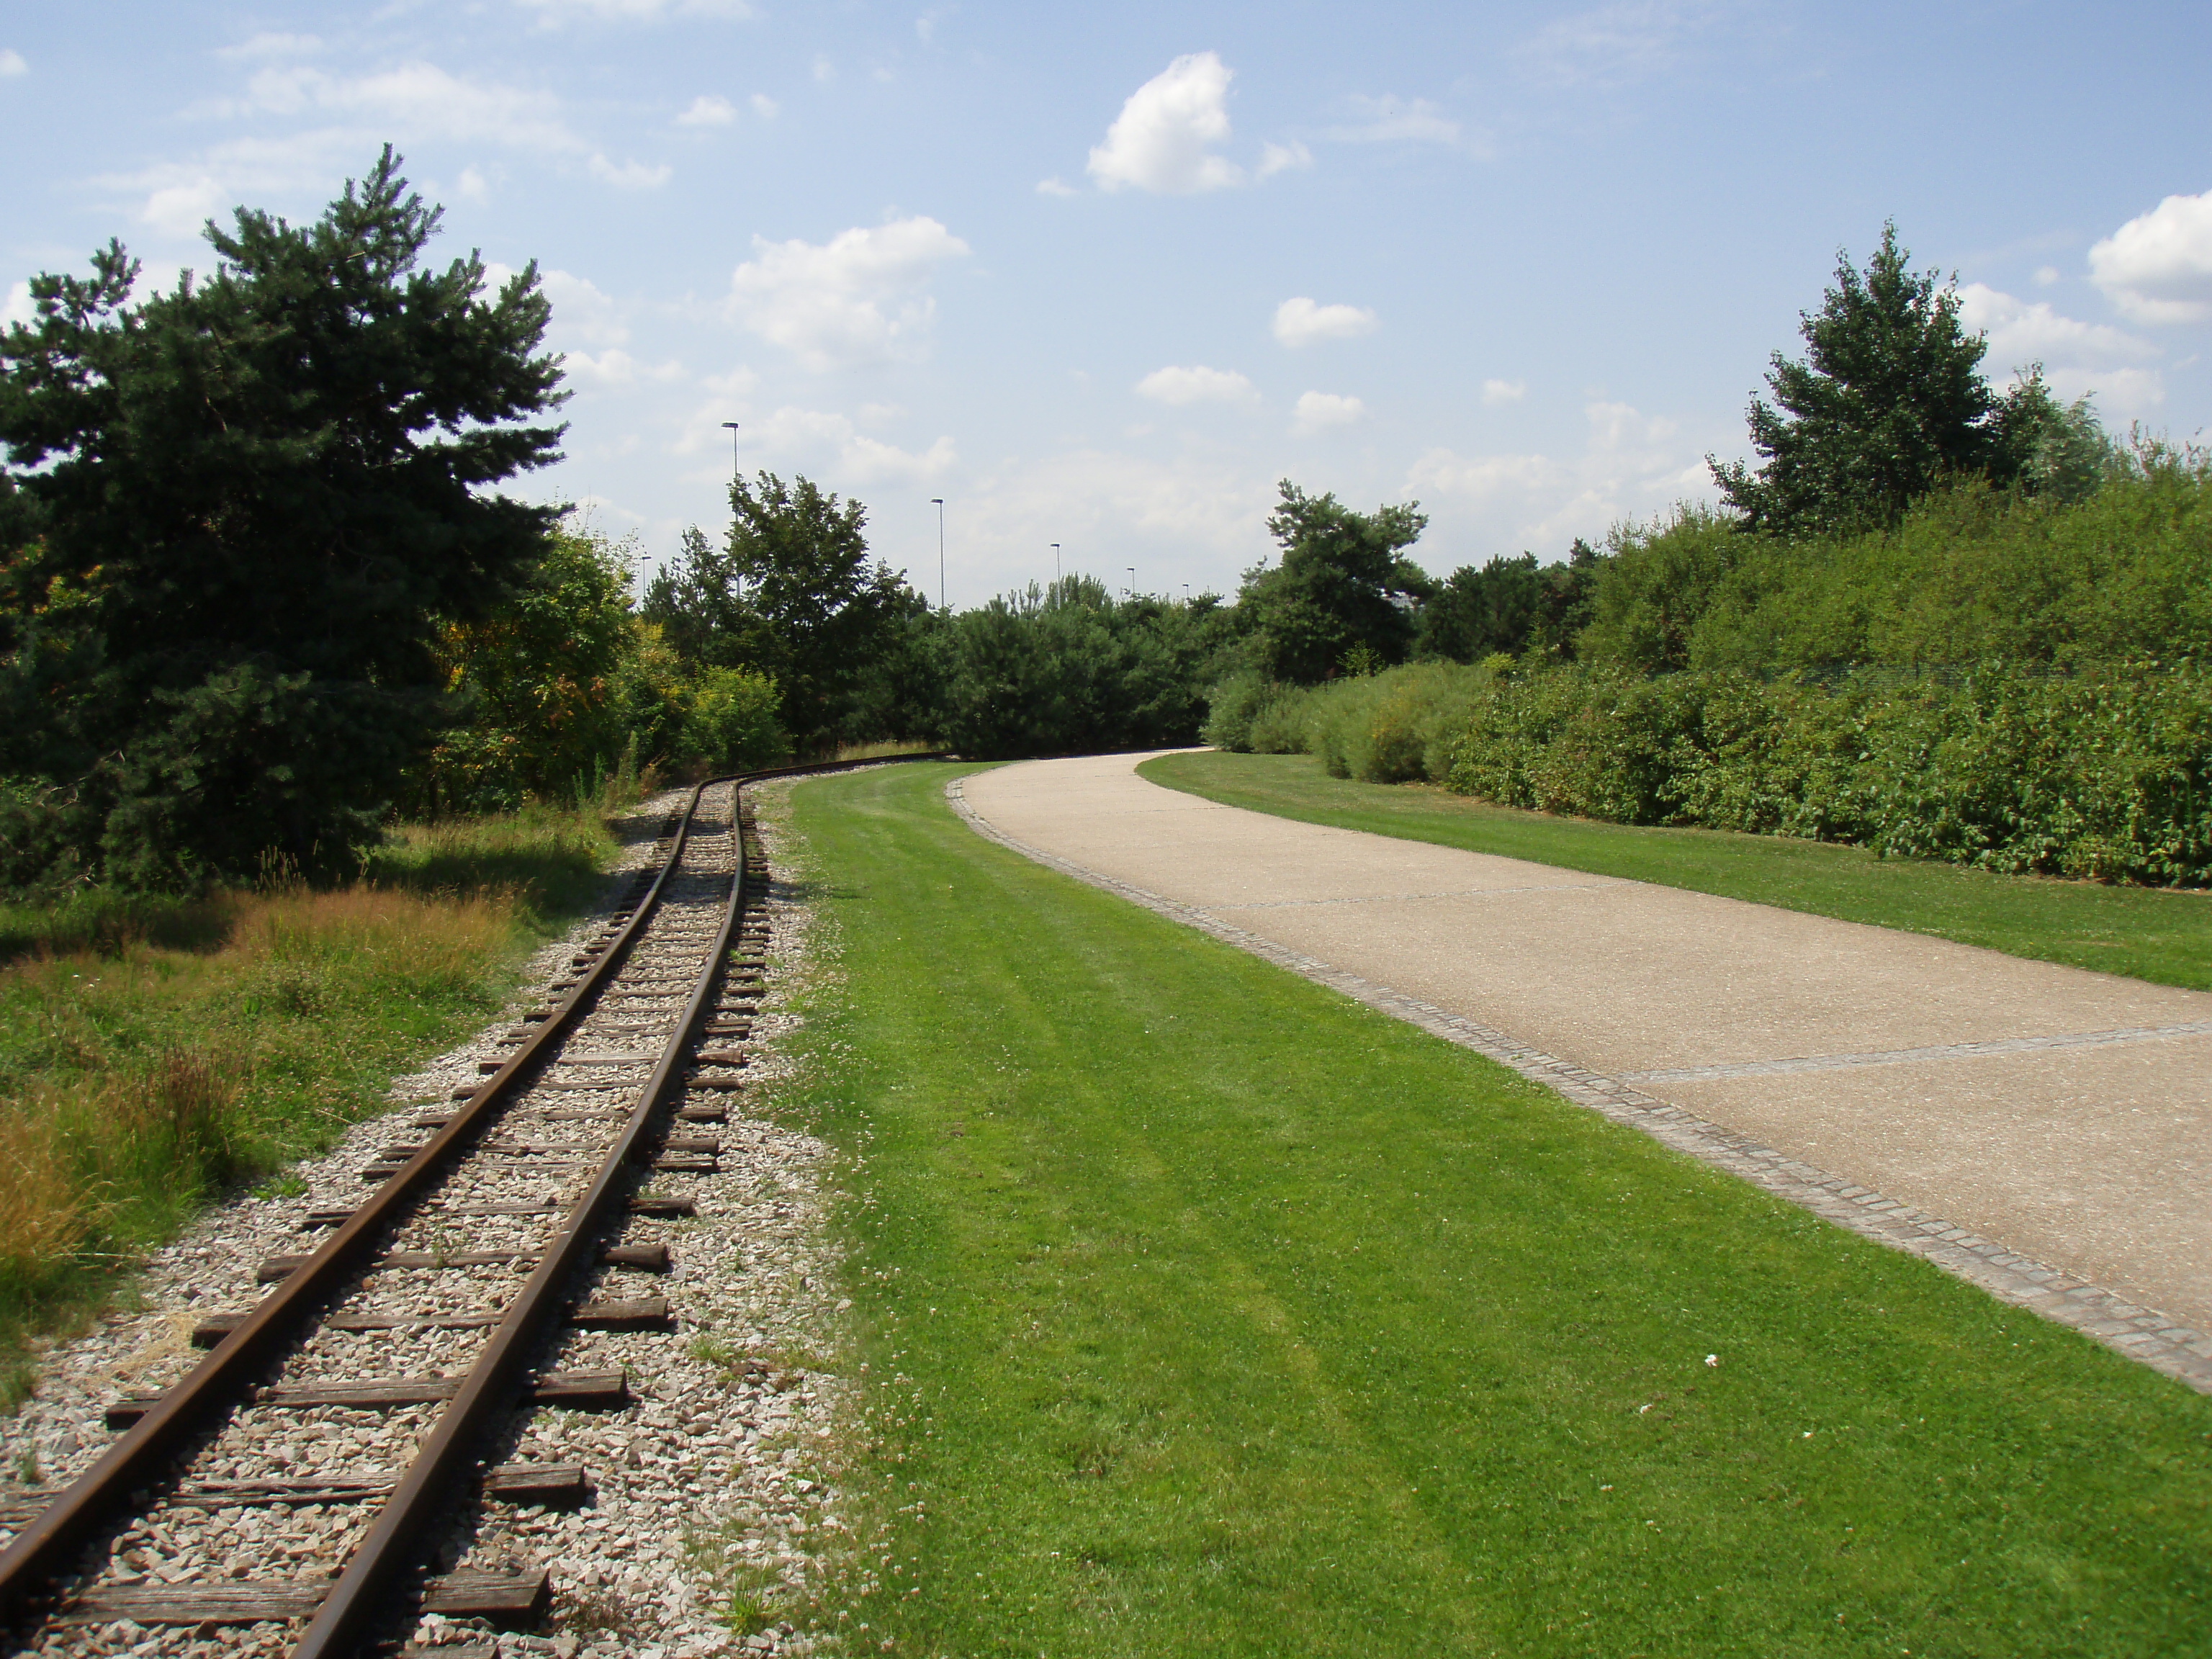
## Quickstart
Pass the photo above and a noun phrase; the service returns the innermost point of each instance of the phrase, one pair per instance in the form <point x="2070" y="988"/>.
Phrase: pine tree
<point x="1888" y="403"/>
<point x="235" y="517"/>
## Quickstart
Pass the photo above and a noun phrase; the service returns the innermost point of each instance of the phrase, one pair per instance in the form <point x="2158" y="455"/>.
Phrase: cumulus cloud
<point x="815" y="434"/>
<point x="583" y="314"/>
<point x="1632" y="466"/>
<point x="472" y="185"/>
<point x="1178" y="387"/>
<point x="855" y="299"/>
<point x="1054" y="186"/>
<point x="765" y="106"/>
<point x="1302" y="321"/>
<point x="1160" y="142"/>
<point x="2078" y="358"/>
<point x="1498" y="393"/>
<point x="1390" y="119"/>
<point x="272" y="43"/>
<point x="12" y="64"/>
<point x="709" y="111"/>
<point x="176" y="198"/>
<point x="18" y="307"/>
<point x="1281" y="158"/>
<point x="415" y="98"/>
<point x="616" y="368"/>
<point x="630" y="175"/>
<point x="1318" y="412"/>
<point x="2157" y="267"/>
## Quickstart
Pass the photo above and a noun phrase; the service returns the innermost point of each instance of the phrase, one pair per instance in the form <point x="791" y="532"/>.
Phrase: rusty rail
<point x="45" y="1549"/>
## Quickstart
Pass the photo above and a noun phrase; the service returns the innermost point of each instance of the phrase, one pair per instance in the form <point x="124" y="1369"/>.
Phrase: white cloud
<point x="2157" y="267"/>
<point x="419" y="99"/>
<point x="1318" y="412"/>
<point x="1281" y="158"/>
<point x="1054" y="186"/>
<point x="1302" y="321"/>
<point x="854" y="299"/>
<point x="272" y="44"/>
<point x="12" y="64"/>
<point x="630" y="175"/>
<point x="18" y="308"/>
<point x="824" y="71"/>
<point x="1632" y="466"/>
<point x="553" y="14"/>
<point x="1480" y="476"/>
<point x="471" y="186"/>
<point x="615" y="366"/>
<point x="582" y="313"/>
<point x="805" y="433"/>
<point x="2078" y="357"/>
<point x="1159" y="140"/>
<point x="765" y="106"/>
<point x="1390" y="119"/>
<point x="1496" y="392"/>
<point x="1615" y="46"/>
<point x="2045" y="275"/>
<point x="1196" y="385"/>
<point x="709" y="111"/>
<point x="177" y="198"/>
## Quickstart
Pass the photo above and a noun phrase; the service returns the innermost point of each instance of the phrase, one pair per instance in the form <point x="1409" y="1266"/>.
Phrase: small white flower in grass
<point x="1712" y="1359"/>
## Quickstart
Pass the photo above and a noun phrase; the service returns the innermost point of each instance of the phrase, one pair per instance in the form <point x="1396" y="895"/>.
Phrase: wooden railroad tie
<point x="634" y="1314"/>
<point x="509" y="1601"/>
<point x="650" y="1258"/>
<point x="574" y="1390"/>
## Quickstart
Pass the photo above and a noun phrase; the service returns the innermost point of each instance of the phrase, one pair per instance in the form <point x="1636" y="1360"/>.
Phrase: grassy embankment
<point x="155" y="1053"/>
<point x="1204" y="1312"/>
<point x="2158" y="934"/>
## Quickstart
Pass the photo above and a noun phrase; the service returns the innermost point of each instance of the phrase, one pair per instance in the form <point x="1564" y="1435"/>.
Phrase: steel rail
<point x="43" y="1551"/>
<point x="360" y="1596"/>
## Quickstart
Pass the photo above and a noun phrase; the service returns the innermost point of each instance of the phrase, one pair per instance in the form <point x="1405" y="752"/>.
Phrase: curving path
<point x="2043" y="1130"/>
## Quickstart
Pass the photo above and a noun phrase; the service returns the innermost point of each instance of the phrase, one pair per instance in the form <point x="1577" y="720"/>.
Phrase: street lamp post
<point x="1055" y="564"/>
<point x="1133" y="579"/>
<point x="731" y="427"/>
<point x="938" y="501"/>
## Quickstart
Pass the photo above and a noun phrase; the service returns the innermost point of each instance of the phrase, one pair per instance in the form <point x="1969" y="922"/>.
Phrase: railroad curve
<point x="411" y="1327"/>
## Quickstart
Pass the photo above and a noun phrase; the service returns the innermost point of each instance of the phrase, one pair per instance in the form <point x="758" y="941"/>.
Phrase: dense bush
<point x="1970" y="574"/>
<point x="1069" y="670"/>
<point x="2102" y="774"/>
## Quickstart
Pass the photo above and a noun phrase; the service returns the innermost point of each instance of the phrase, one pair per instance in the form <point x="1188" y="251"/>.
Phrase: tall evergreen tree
<point x="1888" y="402"/>
<point x="235" y="517"/>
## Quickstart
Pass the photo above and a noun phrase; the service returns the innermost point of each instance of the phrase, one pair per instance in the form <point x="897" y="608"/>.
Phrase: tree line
<point x="259" y="589"/>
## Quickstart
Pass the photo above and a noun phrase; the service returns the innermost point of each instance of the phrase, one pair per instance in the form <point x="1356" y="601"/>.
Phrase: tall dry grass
<point x="142" y="1079"/>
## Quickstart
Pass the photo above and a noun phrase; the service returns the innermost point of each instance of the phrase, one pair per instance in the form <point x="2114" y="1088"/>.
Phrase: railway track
<point x="355" y="1408"/>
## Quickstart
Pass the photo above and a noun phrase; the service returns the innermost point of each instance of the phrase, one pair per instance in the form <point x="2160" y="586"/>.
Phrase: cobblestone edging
<point x="2139" y="1332"/>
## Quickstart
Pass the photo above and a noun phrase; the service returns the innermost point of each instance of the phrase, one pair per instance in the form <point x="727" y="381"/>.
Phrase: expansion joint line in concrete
<point x="2139" y="1332"/>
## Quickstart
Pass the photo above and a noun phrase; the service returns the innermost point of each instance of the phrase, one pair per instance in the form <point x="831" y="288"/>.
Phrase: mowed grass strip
<point x="1204" y="1312"/>
<point x="2160" y="934"/>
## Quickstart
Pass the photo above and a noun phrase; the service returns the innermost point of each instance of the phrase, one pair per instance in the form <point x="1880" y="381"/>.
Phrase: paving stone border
<point x="2142" y="1334"/>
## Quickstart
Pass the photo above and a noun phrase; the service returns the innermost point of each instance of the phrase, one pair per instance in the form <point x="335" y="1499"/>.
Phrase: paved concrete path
<point x="2047" y="1113"/>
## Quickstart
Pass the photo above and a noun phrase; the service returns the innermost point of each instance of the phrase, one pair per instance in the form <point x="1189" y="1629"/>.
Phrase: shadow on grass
<point x="106" y="924"/>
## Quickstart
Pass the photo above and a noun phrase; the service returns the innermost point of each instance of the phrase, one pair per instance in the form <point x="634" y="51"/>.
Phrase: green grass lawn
<point x="2158" y="934"/>
<point x="1205" y="1311"/>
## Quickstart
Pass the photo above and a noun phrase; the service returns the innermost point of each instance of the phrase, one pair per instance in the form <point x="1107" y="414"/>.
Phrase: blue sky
<point x="1101" y="276"/>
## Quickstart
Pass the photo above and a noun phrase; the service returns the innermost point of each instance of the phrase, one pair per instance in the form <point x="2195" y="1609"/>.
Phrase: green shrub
<point x="730" y="724"/>
<point x="2102" y="774"/>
